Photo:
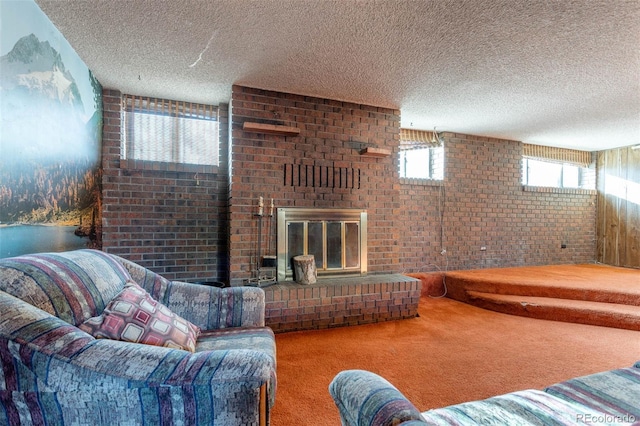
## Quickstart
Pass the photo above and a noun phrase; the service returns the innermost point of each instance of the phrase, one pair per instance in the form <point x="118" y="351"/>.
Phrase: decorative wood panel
<point x="618" y="227"/>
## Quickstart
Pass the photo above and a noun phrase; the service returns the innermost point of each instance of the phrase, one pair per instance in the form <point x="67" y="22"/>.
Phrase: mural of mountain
<point x="35" y="68"/>
<point x="34" y="80"/>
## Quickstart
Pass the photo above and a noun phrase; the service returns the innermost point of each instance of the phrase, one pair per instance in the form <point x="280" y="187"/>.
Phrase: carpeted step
<point x="557" y="309"/>
<point x="594" y="283"/>
<point x="458" y="286"/>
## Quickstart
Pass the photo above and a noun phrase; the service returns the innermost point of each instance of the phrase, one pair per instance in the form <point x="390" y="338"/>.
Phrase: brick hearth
<point x="337" y="302"/>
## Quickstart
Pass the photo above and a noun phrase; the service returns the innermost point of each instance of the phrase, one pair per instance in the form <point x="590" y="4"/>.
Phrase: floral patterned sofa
<point x="91" y="338"/>
<point x="611" y="397"/>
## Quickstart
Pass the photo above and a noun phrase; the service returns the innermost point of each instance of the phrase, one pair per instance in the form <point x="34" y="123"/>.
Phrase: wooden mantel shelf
<point x="375" y="152"/>
<point x="273" y="129"/>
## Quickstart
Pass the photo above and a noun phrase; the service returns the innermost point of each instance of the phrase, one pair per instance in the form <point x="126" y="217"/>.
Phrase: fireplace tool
<point x="265" y="272"/>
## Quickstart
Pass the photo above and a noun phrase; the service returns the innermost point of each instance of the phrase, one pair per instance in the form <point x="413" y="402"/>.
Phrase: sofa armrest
<point x="212" y="308"/>
<point x="366" y="399"/>
<point x="208" y="307"/>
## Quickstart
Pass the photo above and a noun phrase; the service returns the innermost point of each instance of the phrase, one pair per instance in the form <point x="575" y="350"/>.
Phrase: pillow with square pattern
<point x="134" y="316"/>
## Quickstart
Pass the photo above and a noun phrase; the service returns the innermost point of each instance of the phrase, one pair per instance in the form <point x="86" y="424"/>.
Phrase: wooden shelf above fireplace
<point x="272" y="129"/>
<point x="375" y="152"/>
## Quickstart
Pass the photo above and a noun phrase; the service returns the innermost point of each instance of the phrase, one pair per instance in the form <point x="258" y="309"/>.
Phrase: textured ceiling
<point x="556" y="72"/>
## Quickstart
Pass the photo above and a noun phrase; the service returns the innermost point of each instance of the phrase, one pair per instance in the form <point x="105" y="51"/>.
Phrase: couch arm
<point x="366" y="399"/>
<point x="212" y="308"/>
<point x="207" y="307"/>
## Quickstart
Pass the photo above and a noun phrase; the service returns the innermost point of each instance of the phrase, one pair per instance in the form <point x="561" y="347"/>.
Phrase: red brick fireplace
<point x="309" y="152"/>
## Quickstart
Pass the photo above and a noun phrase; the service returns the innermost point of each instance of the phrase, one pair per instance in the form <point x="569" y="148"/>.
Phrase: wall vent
<point x="312" y="176"/>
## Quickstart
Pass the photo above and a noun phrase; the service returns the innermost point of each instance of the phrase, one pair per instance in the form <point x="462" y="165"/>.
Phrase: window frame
<point x="181" y="113"/>
<point x="435" y="154"/>
<point x="583" y="183"/>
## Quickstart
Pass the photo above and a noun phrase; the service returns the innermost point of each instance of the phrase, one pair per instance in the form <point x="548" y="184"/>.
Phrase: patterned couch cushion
<point x="134" y="316"/>
<point x="528" y="407"/>
<point x="251" y="338"/>
<point x="615" y="392"/>
<point x="73" y="286"/>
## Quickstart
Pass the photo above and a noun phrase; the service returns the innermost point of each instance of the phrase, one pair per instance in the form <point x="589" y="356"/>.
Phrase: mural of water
<point x="24" y="239"/>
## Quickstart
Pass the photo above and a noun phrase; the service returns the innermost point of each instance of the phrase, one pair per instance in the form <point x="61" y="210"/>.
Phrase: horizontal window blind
<point x="559" y="155"/>
<point x="414" y="139"/>
<point x="169" y="131"/>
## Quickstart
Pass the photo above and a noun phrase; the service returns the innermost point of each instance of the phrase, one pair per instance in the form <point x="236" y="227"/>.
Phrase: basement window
<point x="165" y="131"/>
<point x="556" y="175"/>
<point x="422" y="163"/>
<point x="551" y="167"/>
<point x="421" y="155"/>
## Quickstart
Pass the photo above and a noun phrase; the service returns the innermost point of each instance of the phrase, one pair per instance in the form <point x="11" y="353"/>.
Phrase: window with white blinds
<point x="167" y="131"/>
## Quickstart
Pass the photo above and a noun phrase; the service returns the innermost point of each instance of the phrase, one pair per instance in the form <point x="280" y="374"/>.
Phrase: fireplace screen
<point x="337" y="238"/>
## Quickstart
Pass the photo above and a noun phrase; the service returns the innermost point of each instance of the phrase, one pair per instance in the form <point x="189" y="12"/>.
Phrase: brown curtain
<point x="411" y="139"/>
<point x="560" y="155"/>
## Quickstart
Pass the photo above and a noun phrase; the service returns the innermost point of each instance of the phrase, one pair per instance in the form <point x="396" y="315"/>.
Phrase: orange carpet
<point x="452" y="352"/>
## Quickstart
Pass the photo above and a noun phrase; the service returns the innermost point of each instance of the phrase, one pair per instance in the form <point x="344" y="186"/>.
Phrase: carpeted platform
<point x="588" y="294"/>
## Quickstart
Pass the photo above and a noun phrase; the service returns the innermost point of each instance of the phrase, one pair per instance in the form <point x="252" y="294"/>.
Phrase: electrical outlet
<point x="443" y="252"/>
<point x="483" y="248"/>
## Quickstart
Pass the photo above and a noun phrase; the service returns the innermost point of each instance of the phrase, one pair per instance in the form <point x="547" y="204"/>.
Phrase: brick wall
<point x="481" y="203"/>
<point x="332" y="134"/>
<point x="166" y="221"/>
<point x="170" y="219"/>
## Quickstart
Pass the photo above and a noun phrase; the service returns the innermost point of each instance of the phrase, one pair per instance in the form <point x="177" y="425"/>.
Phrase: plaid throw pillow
<point x="134" y="316"/>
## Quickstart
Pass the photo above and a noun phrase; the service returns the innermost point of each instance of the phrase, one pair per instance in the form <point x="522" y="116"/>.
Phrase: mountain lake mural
<point x="50" y="139"/>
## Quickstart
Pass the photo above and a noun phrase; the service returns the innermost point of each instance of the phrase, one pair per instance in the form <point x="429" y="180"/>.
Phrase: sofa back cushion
<point x="156" y="285"/>
<point x="73" y="286"/>
<point x="614" y="392"/>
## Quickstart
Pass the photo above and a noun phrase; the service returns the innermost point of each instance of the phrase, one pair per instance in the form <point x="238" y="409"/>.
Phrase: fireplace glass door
<point x="334" y="237"/>
<point x="334" y="245"/>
